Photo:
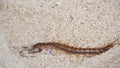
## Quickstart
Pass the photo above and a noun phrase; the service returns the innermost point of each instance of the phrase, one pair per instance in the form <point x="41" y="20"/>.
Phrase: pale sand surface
<point x="78" y="23"/>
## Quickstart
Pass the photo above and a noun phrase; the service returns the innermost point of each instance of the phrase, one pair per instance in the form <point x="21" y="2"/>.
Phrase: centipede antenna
<point x="114" y="41"/>
<point x="111" y="44"/>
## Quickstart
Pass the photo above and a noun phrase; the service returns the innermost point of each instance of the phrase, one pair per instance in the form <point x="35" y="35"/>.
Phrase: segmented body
<point x="76" y="50"/>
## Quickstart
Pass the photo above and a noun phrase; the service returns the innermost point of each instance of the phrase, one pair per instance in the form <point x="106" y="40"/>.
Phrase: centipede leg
<point x="35" y="50"/>
<point x="88" y="55"/>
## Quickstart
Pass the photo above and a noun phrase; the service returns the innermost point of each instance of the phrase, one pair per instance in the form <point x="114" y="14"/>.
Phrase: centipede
<point x="76" y="50"/>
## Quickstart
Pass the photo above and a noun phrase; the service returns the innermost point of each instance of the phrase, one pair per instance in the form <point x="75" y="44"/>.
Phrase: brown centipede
<point x="75" y="50"/>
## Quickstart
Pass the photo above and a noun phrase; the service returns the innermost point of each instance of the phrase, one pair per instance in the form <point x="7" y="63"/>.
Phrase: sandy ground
<point x="86" y="23"/>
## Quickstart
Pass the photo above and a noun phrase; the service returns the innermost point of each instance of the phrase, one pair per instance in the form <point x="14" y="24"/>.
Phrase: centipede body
<point x="76" y="50"/>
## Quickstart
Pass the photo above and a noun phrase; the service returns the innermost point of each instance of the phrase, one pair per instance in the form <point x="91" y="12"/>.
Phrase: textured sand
<point x="78" y="23"/>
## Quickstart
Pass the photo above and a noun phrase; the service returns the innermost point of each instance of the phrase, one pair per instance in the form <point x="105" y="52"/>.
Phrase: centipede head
<point x="111" y="44"/>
